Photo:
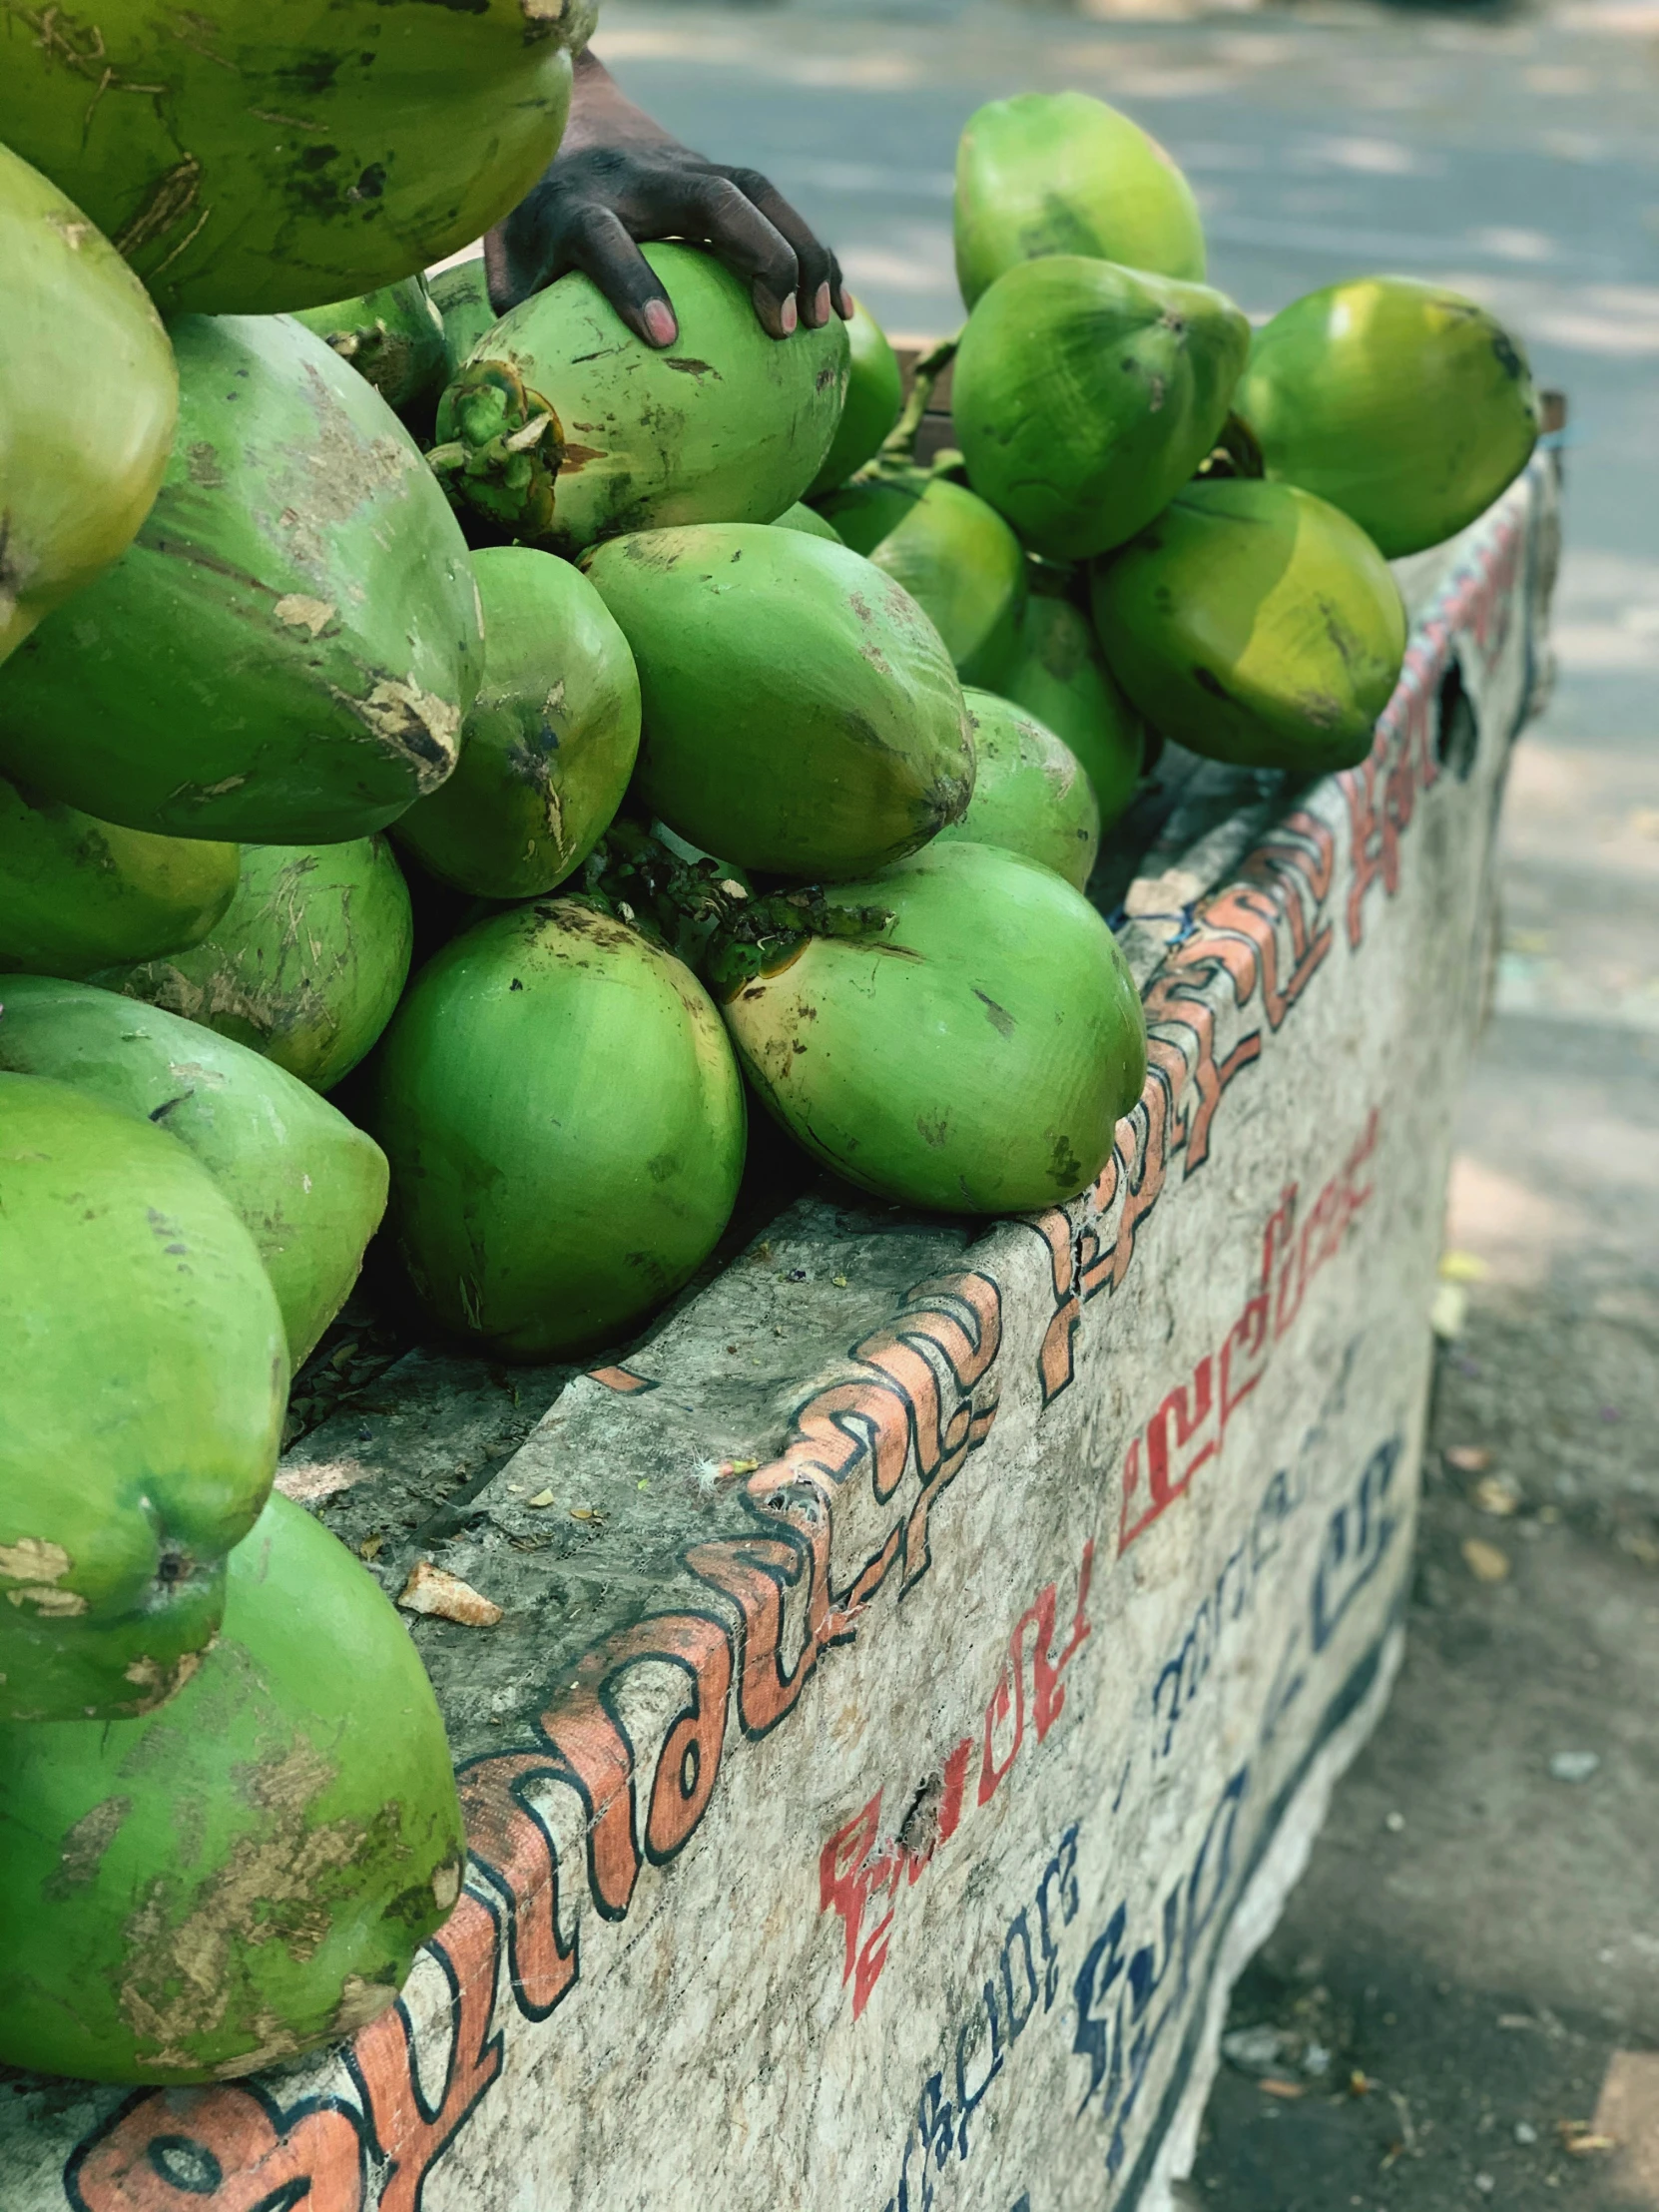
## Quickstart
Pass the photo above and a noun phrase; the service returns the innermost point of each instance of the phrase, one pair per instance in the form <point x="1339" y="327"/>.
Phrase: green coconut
<point x="144" y="1375"/>
<point x="565" y="1125"/>
<point x="307" y="963"/>
<point x="1405" y="404"/>
<point x="88" y="398"/>
<point x="394" y="338"/>
<point x="975" y="1055"/>
<point x="1255" y="624"/>
<point x="954" y="555"/>
<point x="1062" y="173"/>
<point x="874" y="395"/>
<point x="248" y="1874"/>
<point x="562" y="427"/>
<point x="286" y="650"/>
<point x="248" y="158"/>
<point x="1060" y="675"/>
<point x="810" y="523"/>
<point x="307" y="1186"/>
<point x="77" y="895"/>
<point x="802" y="715"/>
<point x="1085" y="396"/>
<point x="1030" y="794"/>
<point x="549" y="743"/>
<point x="461" y="294"/>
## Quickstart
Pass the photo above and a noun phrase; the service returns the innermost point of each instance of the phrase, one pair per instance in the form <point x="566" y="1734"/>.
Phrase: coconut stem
<point x="899" y="447"/>
<point x="705" y="914"/>
<point x="1236" y="452"/>
<point x="506" y="452"/>
<point x="531" y="434"/>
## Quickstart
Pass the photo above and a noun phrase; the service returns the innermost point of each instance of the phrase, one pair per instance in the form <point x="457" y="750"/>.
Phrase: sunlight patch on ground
<point x="1516" y="246"/>
<point x="1628" y="2117"/>
<point x="1513" y="1228"/>
<point x="1366" y="157"/>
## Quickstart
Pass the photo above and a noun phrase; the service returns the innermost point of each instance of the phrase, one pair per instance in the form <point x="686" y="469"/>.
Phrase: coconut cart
<point x="894" y="1696"/>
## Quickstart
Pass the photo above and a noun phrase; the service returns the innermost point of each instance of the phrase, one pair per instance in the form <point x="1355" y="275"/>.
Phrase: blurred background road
<point x="1462" y="2006"/>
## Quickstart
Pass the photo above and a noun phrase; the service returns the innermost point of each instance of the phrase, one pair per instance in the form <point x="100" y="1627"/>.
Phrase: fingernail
<point x="786" y="316"/>
<point x="847" y="305"/>
<point x="820" y="308"/>
<point x="660" y="326"/>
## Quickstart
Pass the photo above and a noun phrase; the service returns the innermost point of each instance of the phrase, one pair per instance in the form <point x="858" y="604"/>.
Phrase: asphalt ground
<point x="1462" y="2005"/>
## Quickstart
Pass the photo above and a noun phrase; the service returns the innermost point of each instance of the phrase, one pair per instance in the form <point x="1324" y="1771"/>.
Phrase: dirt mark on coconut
<point x="999" y="1016"/>
<point x="83" y="1847"/>
<point x="178" y="1981"/>
<point x="196" y="556"/>
<point x="34" y="1559"/>
<point x="268" y="1005"/>
<point x="156" y="1683"/>
<point x="1325" y="712"/>
<point x="412" y="721"/>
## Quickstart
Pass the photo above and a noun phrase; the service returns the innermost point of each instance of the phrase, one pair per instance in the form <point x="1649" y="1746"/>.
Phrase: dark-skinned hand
<point x="617" y="179"/>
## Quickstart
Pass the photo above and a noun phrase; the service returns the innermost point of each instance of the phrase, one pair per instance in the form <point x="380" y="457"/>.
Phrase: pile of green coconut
<point x="711" y="748"/>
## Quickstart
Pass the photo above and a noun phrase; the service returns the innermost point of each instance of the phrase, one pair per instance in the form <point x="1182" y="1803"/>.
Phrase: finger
<point x="838" y="293"/>
<point x="596" y="243"/>
<point x="818" y="275"/>
<point x="498" y="273"/>
<point x="515" y="256"/>
<point x="711" y="208"/>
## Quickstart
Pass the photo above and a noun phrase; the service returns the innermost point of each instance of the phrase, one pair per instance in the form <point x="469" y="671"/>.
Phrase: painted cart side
<point x="925" y="1683"/>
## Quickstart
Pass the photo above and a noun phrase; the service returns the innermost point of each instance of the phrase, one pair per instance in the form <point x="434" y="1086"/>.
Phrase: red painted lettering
<point x="1189" y="1429"/>
<point x="411" y="2133"/>
<point x="219" y="2150"/>
<point x="511" y="1843"/>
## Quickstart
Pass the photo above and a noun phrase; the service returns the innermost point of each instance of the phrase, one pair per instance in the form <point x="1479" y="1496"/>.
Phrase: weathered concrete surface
<point x="914" y="1649"/>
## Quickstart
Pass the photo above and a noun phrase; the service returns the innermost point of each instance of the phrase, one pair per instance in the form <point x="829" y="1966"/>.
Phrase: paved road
<point x="1480" y="1939"/>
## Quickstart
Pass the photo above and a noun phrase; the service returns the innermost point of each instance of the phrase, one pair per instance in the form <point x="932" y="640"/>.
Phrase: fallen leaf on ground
<point x="541" y="1499"/>
<point x="1484" y="1561"/>
<point x="1492" y="1495"/>
<point x="586" y="1513"/>
<point x="1274" y="2088"/>
<point x="435" y="1590"/>
<point x="1450" y="1311"/>
<point x="1468" y="1458"/>
<point x="1462" y="1267"/>
<point x="1580" y="2140"/>
<point x="1254" y="2050"/>
<point x="369" y="1548"/>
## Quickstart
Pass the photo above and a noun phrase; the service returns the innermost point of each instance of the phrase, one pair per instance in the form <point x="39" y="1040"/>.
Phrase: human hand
<point x="619" y="178"/>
